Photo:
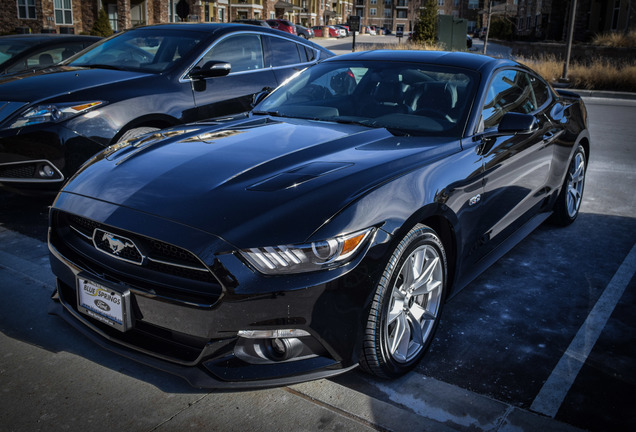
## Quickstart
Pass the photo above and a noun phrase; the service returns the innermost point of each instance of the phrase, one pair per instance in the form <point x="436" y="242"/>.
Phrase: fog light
<point x="46" y="171"/>
<point x="284" y="349"/>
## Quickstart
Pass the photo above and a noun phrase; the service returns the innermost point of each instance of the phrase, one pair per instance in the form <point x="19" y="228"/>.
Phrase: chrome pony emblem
<point x="117" y="246"/>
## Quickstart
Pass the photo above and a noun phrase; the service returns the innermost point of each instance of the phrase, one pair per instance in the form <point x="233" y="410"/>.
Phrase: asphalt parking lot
<point x="542" y="340"/>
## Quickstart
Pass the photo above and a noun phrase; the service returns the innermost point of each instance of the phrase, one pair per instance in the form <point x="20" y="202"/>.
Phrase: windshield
<point x="146" y="51"/>
<point x="11" y="48"/>
<point x="408" y="98"/>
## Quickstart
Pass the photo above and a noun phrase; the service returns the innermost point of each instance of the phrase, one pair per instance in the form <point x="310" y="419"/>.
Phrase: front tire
<point x="568" y="203"/>
<point x="407" y="305"/>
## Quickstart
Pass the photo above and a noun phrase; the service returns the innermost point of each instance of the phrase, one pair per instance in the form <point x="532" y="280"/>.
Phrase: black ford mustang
<point x="322" y="230"/>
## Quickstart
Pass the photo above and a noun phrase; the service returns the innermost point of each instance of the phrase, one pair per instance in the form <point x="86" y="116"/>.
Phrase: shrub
<point x="425" y="29"/>
<point x="501" y="29"/>
<point x="102" y="27"/>
<point x="616" y="40"/>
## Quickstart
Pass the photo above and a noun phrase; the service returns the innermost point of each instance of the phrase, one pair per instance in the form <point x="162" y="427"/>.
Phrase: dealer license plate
<point x="104" y="303"/>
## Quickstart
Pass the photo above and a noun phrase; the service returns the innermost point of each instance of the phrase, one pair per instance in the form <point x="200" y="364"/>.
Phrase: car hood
<point x="60" y="81"/>
<point x="234" y="181"/>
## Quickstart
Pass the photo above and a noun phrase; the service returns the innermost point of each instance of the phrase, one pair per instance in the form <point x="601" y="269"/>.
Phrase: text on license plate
<point x="101" y="303"/>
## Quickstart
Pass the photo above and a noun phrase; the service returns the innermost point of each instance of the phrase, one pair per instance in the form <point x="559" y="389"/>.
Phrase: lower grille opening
<point x="175" y="346"/>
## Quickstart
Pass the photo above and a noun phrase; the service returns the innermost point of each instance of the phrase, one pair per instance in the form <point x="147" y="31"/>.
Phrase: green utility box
<point x="451" y="32"/>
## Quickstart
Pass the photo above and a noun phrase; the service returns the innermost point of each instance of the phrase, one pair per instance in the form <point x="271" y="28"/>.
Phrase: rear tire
<point x="407" y="305"/>
<point x="568" y="203"/>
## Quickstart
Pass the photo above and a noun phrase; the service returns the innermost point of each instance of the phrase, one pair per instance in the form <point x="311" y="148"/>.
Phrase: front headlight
<point x="309" y="257"/>
<point x="53" y="113"/>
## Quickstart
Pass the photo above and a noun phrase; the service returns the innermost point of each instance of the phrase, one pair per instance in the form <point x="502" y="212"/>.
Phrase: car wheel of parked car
<point x="407" y="305"/>
<point x="135" y="132"/>
<point x="567" y="206"/>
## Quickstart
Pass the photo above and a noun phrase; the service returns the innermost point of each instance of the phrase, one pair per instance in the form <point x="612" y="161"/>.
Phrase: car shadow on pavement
<point x="24" y="317"/>
<point x="27" y="215"/>
<point x="503" y="335"/>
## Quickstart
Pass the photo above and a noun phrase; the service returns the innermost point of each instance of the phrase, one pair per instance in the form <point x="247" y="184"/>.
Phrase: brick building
<point x="548" y="19"/>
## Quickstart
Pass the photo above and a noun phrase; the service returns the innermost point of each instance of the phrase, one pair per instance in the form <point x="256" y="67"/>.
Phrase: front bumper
<point x="42" y="157"/>
<point x="205" y="375"/>
<point x="190" y="327"/>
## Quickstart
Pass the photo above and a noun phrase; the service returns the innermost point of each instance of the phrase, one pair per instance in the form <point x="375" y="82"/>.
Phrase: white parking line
<point x="553" y="392"/>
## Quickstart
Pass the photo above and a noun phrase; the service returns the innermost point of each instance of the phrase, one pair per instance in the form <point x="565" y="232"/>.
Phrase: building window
<point x="63" y="12"/>
<point x="374" y="1"/>
<point x="440" y="2"/>
<point x="137" y="12"/>
<point x="387" y="13"/>
<point x="402" y="13"/>
<point x="26" y="9"/>
<point x="473" y="4"/>
<point x="615" y="14"/>
<point x="113" y="17"/>
<point x="373" y="12"/>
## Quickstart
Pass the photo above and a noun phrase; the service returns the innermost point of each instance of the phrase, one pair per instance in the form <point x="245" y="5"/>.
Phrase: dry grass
<point x="597" y="75"/>
<point x="403" y="46"/>
<point x="616" y="40"/>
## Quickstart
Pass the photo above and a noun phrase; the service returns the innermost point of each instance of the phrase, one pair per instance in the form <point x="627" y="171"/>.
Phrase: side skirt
<point x="498" y="252"/>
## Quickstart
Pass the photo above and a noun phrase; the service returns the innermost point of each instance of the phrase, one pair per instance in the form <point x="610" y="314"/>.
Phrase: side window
<point x="541" y="91"/>
<point x="509" y="91"/>
<point x="243" y="51"/>
<point x="310" y="53"/>
<point x="284" y="52"/>
<point x="46" y="57"/>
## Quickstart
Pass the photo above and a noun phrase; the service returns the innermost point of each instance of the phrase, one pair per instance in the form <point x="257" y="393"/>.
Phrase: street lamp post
<point x="487" y="26"/>
<point x="565" y="78"/>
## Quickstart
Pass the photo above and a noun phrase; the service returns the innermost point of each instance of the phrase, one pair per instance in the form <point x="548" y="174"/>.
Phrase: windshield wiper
<point x="102" y="66"/>
<point x="374" y="124"/>
<point x="367" y="123"/>
<point x="271" y="113"/>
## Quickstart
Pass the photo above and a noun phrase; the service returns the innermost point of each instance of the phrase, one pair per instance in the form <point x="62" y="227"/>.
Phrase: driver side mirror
<point x="210" y="70"/>
<point x="517" y="123"/>
<point x="511" y="124"/>
<point x="258" y="97"/>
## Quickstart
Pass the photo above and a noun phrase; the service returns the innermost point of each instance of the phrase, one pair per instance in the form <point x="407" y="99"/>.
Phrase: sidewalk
<point x="54" y="379"/>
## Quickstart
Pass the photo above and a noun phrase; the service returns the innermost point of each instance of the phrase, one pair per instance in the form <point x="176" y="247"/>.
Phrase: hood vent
<point x="297" y="176"/>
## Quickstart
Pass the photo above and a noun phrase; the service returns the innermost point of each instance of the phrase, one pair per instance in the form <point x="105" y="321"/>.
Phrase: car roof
<point x="218" y="29"/>
<point x="465" y="60"/>
<point x="42" y="37"/>
<point x="205" y="27"/>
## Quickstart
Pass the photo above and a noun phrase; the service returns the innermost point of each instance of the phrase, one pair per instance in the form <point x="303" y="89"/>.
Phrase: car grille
<point x="17" y="171"/>
<point x="152" y="265"/>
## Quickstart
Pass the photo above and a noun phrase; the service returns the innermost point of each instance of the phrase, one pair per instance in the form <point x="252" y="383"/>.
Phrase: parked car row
<point x="282" y="25"/>
<point x="242" y="208"/>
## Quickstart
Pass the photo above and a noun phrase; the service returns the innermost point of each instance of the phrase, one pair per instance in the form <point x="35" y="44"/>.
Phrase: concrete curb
<point x="604" y="94"/>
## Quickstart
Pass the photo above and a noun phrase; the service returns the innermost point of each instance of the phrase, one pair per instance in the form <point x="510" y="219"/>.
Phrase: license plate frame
<point x="104" y="303"/>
